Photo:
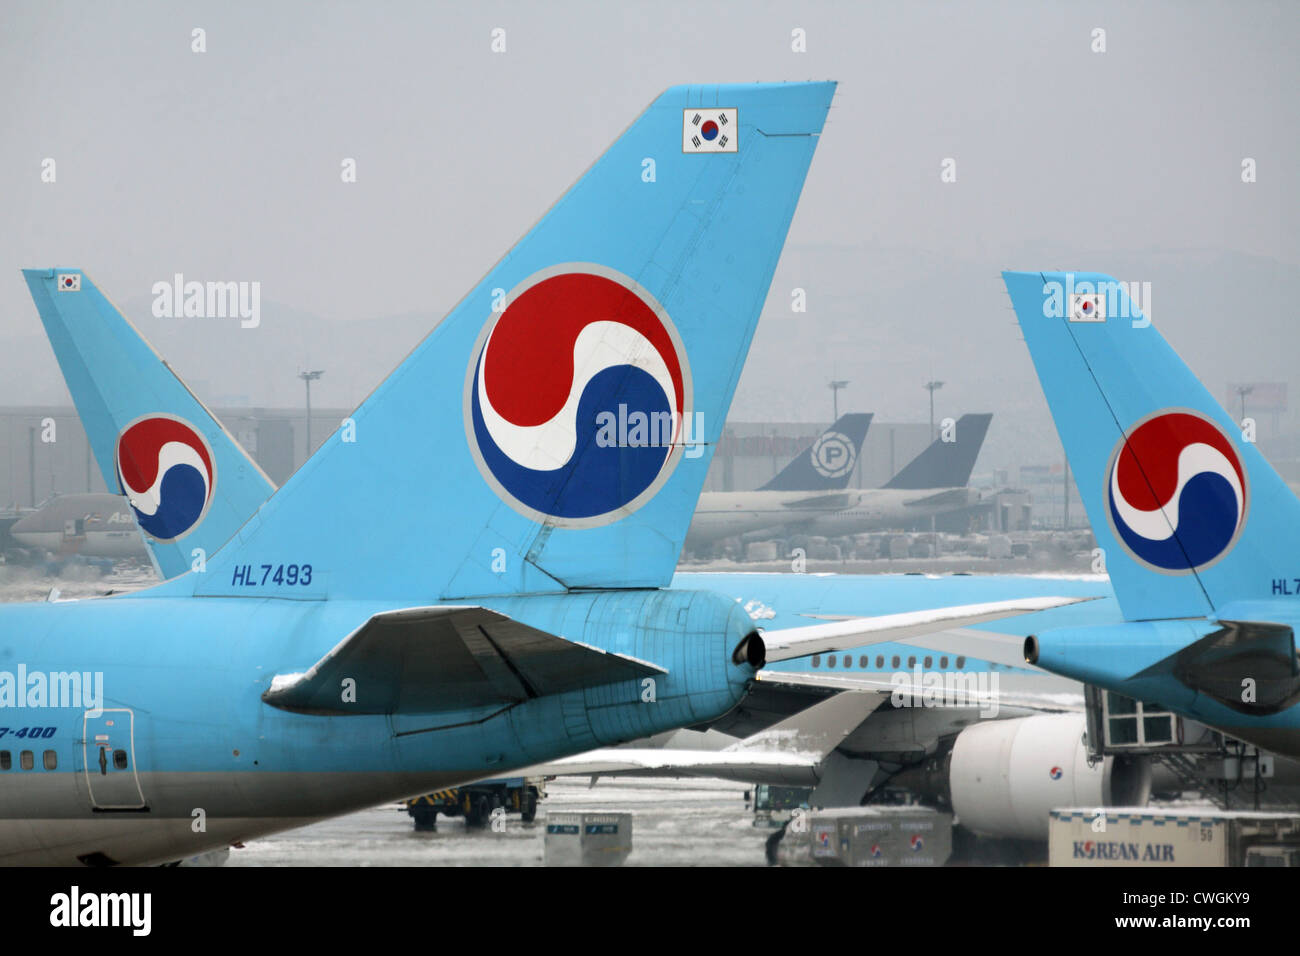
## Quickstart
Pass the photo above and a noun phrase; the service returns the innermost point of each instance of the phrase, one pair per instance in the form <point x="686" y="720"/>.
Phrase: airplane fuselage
<point x="93" y="525"/>
<point x="1238" y="673"/>
<point x="164" y="747"/>
<point x="782" y="600"/>
<point x="724" y="514"/>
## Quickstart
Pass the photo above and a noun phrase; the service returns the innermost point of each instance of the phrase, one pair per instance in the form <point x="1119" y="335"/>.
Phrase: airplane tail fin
<point x="188" y="481"/>
<point x="827" y="464"/>
<point x="946" y="464"/>
<point x="554" y="430"/>
<point x="1188" y="513"/>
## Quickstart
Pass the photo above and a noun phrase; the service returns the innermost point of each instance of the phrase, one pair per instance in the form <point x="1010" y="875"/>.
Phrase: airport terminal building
<point x="43" y="452"/>
<point x="43" y="449"/>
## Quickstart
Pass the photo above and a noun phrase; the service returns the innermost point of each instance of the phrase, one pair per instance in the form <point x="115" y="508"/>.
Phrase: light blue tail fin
<point x="554" y="430"/>
<point x="1189" y="514"/>
<point x="189" y="482"/>
<point x="826" y="464"/>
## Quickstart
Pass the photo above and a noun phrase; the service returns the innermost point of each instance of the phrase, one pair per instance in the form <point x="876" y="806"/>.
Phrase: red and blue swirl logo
<point x="917" y="844"/>
<point x="576" y="397"/>
<point x="165" y="469"/>
<point x="1177" y="492"/>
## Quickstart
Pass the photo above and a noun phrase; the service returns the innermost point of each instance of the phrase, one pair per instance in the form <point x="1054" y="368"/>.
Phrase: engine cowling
<point x="1005" y="775"/>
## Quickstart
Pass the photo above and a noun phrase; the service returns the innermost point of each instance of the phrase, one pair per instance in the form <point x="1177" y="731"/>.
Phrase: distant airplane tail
<point x="828" y="463"/>
<point x="946" y="464"/>
<point x="555" y="429"/>
<point x="1188" y="513"/>
<point x="189" y="483"/>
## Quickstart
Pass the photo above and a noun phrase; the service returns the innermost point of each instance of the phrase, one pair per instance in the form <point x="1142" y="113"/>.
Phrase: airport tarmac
<point x="674" y="823"/>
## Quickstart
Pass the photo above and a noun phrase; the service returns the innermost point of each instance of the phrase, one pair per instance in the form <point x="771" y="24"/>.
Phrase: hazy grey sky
<point x="225" y="165"/>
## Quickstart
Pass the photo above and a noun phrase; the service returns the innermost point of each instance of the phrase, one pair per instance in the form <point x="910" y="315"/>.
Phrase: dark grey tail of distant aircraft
<point x="946" y="464"/>
<point x="828" y="462"/>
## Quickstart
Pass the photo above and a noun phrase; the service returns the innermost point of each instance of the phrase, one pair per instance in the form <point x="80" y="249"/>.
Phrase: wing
<point x="789" y="643"/>
<point x="790" y="753"/>
<point x="780" y="769"/>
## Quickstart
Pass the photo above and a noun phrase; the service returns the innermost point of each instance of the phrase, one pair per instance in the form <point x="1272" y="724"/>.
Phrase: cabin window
<point x="26" y="760"/>
<point x="880" y="660"/>
<point x="928" y="662"/>
<point x="943" y="663"/>
<point x="961" y="662"/>
<point x="817" y="660"/>
<point x="864" y="661"/>
<point x="894" y="662"/>
<point x="911" y="662"/>
<point x="51" y="760"/>
<point x="830" y="660"/>
<point x="6" y="760"/>
<point x="119" y="759"/>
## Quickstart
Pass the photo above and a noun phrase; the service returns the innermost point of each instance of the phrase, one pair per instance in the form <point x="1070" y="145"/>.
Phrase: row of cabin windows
<point x="27" y="760"/>
<point x="895" y="662"/>
<point x="50" y="760"/>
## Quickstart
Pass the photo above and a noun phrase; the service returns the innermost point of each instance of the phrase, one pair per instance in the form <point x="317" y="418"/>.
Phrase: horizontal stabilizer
<point x="437" y="659"/>
<point x="790" y="643"/>
<point x="948" y="498"/>
<point x="828" y="502"/>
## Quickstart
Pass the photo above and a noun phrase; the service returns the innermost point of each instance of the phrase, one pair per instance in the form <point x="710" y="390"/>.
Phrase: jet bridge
<point x="1187" y="755"/>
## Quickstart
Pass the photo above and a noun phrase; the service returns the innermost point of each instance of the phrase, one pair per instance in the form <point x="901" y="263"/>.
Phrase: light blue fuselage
<point x="796" y="600"/>
<point x="182" y="680"/>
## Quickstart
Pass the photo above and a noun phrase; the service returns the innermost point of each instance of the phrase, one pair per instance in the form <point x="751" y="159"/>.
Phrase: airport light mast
<point x="1242" y="392"/>
<point x="932" y="387"/>
<point x="308" y="378"/>
<point x="835" y="387"/>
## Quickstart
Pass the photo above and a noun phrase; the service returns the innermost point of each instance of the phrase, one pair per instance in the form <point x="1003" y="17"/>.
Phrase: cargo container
<point x="587" y="839"/>
<point x="1172" y="837"/>
<point x="866" y="836"/>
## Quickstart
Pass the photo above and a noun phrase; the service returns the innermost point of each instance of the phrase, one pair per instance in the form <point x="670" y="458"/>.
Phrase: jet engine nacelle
<point x="1005" y="775"/>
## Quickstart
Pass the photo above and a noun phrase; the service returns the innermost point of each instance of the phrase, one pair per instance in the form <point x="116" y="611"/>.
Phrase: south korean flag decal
<point x="1087" y="307"/>
<point x="710" y="131"/>
<point x="68" y="282"/>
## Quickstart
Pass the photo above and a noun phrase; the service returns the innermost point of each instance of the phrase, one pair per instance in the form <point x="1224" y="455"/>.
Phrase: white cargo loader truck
<point x="1150" y="836"/>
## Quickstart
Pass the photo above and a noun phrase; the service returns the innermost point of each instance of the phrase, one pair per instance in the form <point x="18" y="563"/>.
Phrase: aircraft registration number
<point x="279" y="575"/>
